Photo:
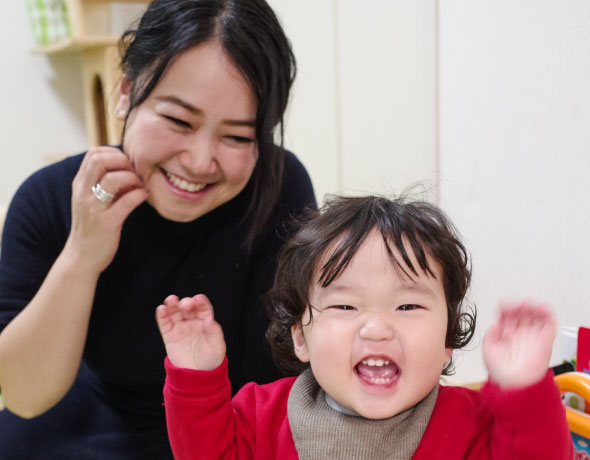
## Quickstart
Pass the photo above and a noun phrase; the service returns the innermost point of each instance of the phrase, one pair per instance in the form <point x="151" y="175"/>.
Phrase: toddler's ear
<point x="447" y="356"/>
<point x="299" y="345"/>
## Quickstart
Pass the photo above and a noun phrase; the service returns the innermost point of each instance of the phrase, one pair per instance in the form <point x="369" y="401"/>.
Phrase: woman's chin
<point x="178" y="213"/>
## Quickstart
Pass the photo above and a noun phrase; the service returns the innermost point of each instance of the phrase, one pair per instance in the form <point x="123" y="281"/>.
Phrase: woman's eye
<point x="178" y="122"/>
<point x="342" y="307"/>
<point x="239" y="140"/>
<point x="408" y="307"/>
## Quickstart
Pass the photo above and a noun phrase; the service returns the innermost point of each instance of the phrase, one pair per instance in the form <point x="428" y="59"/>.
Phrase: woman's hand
<point x="517" y="347"/>
<point x="96" y="226"/>
<point x="193" y="339"/>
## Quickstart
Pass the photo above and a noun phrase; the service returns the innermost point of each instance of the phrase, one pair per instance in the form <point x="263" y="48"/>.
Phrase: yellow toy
<point x="578" y="421"/>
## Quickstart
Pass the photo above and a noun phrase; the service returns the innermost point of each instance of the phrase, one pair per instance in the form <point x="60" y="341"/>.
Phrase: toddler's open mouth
<point x="377" y="370"/>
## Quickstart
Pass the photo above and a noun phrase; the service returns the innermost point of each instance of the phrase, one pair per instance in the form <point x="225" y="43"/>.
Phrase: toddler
<point x="366" y="310"/>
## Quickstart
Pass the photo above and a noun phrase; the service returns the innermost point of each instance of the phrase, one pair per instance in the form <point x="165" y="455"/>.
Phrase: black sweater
<point x="123" y="357"/>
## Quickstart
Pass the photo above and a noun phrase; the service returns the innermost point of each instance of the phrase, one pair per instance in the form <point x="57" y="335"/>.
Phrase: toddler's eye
<point x="342" y="307"/>
<point x="408" y="307"/>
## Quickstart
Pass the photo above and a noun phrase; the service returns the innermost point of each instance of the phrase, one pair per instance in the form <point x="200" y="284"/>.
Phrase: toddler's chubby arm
<point x="517" y="347"/>
<point x="528" y="418"/>
<point x="202" y="420"/>
<point x="193" y="339"/>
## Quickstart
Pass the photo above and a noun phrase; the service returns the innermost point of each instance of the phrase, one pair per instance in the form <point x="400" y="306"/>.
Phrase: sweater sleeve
<point x="199" y="415"/>
<point x="35" y="230"/>
<point x="529" y="423"/>
<point x="526" y="423"/>
<point x="204" y="423"/>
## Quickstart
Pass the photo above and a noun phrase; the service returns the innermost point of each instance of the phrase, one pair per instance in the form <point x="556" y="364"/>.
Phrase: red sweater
<point x="204" y="423"/>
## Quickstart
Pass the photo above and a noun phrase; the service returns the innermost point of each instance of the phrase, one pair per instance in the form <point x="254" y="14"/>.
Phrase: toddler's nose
<point x="376" y="328"/>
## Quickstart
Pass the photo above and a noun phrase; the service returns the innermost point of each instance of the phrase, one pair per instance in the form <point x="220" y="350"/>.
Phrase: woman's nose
<point x="376" y="328"/>
<point x="199" y="159"/>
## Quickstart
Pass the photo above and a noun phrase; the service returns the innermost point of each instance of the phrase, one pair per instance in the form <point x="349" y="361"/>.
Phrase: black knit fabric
<point x="114" y="410"/>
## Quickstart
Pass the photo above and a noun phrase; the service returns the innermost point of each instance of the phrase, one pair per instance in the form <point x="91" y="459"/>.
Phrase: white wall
<point x="312" y="121"/>
<point x="363" y="115"/>
<point x="515" y="151"/>
<point x="40" y="102"/>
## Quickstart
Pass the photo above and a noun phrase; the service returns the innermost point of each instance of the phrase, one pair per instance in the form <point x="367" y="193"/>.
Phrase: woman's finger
<point x="99" y="161"/>
<point x="115" y="183"/>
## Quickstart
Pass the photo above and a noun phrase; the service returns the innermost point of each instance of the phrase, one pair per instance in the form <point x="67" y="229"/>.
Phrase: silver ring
<point x="101" y="194"/>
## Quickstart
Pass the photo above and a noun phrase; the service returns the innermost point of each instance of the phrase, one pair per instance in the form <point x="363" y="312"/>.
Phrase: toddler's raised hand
<point x="193" y="339"/>
<point x="517" y="347"/>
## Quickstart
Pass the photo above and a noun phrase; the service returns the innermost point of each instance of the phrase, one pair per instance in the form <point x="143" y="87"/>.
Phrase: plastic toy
<point x="578" y="421"/>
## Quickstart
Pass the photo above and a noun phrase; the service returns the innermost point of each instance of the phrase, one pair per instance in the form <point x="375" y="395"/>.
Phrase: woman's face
<point x="192" y="140"/>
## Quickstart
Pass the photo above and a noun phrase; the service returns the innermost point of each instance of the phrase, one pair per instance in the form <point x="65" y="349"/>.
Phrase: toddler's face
<point x="376" y="342"/>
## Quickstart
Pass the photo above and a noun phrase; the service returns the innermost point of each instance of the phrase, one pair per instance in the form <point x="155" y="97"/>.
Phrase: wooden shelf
<point x="116" y="1"/>
<point x="74" y="45"/>
<point x="93" y="40"/>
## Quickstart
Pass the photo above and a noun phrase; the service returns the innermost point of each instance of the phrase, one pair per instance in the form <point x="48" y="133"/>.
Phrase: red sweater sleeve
<point x="527" y="423"/>
<point x="204" y="423"/>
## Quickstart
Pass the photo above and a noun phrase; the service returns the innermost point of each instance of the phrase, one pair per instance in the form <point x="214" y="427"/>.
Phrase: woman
<point x="195" y="200"/>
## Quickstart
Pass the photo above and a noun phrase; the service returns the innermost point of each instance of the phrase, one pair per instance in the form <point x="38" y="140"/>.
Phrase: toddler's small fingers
<point x="203" y="304"/>
<point x="160" y="311"/>
<point x="171" y="298"/>
<point x="202" y="299"/>
<point x="163" y="318"/>
<point x="508" y="325"/>
<point x="177" y="310"/>
<point x="532" y="315"/>
<point x="186" y="303"/>
<point x="546" y="313"/>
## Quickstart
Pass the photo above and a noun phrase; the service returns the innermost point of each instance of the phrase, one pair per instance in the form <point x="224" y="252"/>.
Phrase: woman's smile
<point x="184" y="184"/>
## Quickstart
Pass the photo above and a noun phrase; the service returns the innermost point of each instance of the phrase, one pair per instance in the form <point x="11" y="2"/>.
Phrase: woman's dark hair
<point x="335" y="233"/>
<point x="253" y="38"/>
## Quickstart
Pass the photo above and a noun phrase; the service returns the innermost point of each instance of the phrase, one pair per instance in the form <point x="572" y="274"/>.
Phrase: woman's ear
<point x="124" y="90"/>
<point x="299" y="345"/>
